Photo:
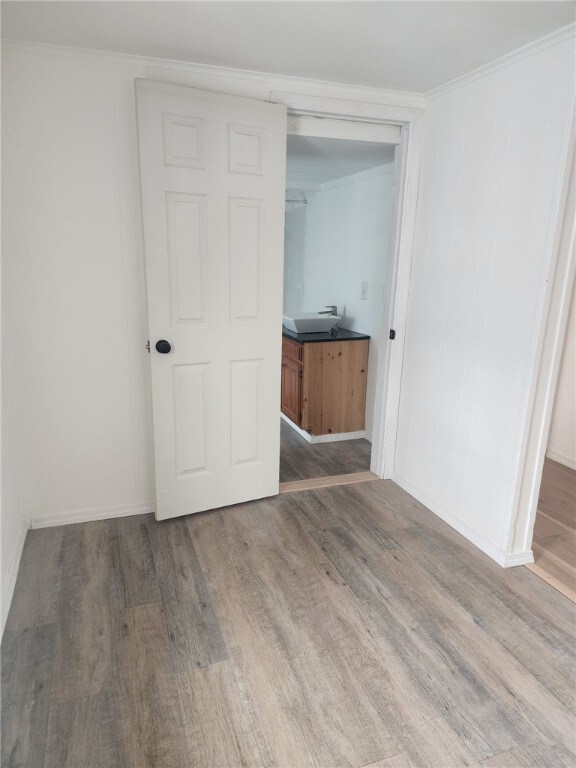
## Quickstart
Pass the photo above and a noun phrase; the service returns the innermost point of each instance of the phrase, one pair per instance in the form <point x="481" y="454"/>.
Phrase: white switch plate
<point x="364" y="290"/>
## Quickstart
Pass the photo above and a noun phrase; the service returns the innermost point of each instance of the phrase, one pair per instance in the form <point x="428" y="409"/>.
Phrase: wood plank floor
<point x="301" y="460"/>
<point x="554" y="543"/>
<point x="336" y="628"/>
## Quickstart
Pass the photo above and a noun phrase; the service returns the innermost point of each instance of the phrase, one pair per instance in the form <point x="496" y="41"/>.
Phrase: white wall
<point x="13" y="520"/>
<point x="494" y="156"/>
<point x="562" y="436"/>
<point x="346" y="241"/>
<point x="73" y="253"/>
<point x="74" y="268"/>
<point x="72" y="249"/>
<point x="294" y="252"/>
<point x="13" y="523"/>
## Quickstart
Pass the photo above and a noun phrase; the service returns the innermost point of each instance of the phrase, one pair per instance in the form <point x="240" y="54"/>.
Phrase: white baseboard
<point x="568" y="461"/>
<point x="518" y="558"/>
<point x="335" y="438"/>
<point x="506" y="560"/>
<point x="94" y="513"/>
<point x="9" y="582"/>
<point x="331" y="438"/>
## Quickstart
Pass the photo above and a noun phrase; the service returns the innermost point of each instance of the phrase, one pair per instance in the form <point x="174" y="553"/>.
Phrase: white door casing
<point x="212" y="174"/>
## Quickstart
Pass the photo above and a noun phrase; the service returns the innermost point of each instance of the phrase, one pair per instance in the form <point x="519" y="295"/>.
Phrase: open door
<point x="212" y="173"/>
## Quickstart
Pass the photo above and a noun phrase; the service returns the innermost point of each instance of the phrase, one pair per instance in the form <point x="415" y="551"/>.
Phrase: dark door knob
<point x="163" y="346"/>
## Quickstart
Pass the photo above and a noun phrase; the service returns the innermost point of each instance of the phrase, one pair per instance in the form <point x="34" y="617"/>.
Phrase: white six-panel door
<point x="212" y="173"/>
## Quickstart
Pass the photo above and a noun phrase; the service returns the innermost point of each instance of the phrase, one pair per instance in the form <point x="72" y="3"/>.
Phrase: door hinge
<point x="148" y="346"/>
<point x="392" y="335"/>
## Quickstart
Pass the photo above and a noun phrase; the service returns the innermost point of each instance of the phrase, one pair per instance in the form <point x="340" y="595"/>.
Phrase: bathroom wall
<point x="339" y="240"/>
<point x="294" y="251"/>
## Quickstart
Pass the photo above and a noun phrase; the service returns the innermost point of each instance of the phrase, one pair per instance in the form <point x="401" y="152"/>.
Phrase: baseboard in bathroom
<point x="331" y="438"/>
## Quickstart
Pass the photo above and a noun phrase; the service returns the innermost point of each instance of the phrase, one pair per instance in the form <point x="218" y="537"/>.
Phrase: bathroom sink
<point x="309" y="322"/>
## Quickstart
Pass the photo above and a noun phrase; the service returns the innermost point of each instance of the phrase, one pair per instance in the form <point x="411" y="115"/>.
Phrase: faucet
<point x="332" y="310"/>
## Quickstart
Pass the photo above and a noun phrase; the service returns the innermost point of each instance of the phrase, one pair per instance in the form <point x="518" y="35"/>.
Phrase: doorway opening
<point x="338" y="282"/>
<point x="212" y="170"/>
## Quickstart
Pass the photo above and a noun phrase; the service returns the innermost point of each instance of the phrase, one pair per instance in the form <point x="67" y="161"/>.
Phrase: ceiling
<point x="311" y="162"/>
<point x="412" y="46"/>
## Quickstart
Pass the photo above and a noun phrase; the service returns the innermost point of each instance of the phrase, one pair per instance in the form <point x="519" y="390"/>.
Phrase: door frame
<point x="391" y="353"/>
<point x="550" y="344"/>
<point x="407" y="174"/>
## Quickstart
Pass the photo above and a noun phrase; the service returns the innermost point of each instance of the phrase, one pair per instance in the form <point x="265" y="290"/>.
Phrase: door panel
<point x="187" y="254"/>
<point x="246" y="221"/>
<point x="245" y="415"/>
<point x="212" y="174"/>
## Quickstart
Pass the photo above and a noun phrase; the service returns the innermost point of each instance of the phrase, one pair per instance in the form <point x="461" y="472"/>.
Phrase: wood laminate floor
<point x="337" y="628"/>
<point x="554" y="543"/>
<point x="301" y="460"/>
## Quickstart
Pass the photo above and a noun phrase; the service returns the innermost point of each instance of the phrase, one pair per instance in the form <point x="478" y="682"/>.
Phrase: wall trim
<point x="506" y="560"/>
<point x="381" y="97"/>
<point x="338" y="436"/>
<point x="295" y="86"/>
<point x="332" y="438"/>
<point x="382" y="133"/>
<point x="9" y="583"/>
<point x="386" y="109"/>
<point x="93" y="513"/>
<point x="518" y="558"/>
<point x="530" y="49"/>
<point x="407" y="161"/>
<point x="561" y="273"/>
<point x="568" y="461"/>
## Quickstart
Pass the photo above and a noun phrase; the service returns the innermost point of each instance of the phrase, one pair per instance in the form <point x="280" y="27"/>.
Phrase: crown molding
<point x="555" y="38"/>
<point x="302" y="90"/>
<point x="303" y="87"/>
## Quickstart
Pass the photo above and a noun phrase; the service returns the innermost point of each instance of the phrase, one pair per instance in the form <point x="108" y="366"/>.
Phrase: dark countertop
<point x="341" y="335"/>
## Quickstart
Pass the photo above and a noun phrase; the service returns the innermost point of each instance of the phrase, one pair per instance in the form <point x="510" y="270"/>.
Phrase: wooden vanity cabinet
<point x="292" y="380"/>
<point x="324" y="385"/>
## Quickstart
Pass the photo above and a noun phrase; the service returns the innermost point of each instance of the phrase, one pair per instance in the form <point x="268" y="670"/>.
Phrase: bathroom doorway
<point x="338" y="283"/>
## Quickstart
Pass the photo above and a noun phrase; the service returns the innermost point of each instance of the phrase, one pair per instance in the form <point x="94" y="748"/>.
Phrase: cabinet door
<point x="292" y="390"/>
<point x="344" y="373"/>
<point x="292" y="349"/>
